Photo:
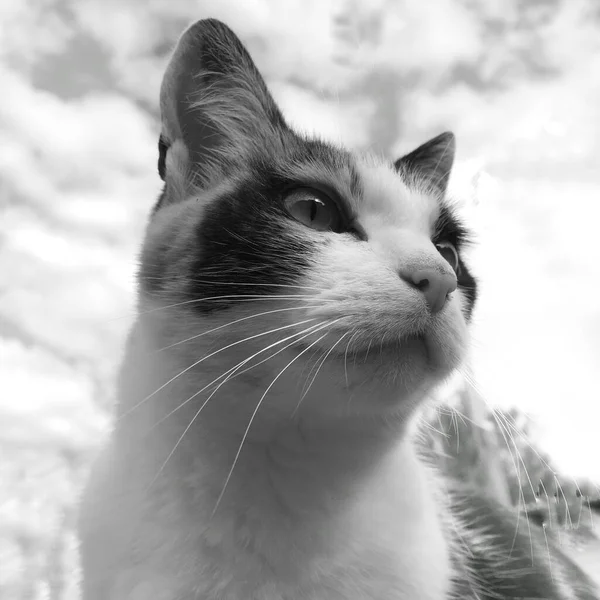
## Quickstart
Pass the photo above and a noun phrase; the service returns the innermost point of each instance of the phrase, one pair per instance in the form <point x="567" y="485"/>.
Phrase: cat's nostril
<point x="421" y="284"/>
<point x="436" y="286"/>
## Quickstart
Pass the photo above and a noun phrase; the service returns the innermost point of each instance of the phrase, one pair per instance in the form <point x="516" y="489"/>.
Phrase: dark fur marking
<point x="244" y="238"/>
<point x="468" y="285"/>
<point x="162" y="156"/>
<point x="450" y="229"/>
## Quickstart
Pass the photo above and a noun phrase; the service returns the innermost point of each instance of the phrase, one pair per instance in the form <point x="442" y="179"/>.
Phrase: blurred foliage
<point x="495" y="450"/>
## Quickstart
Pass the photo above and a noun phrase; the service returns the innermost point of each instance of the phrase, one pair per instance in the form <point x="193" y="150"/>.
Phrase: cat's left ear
<point x="216" y="110"/>
<point x="430" y="164"/>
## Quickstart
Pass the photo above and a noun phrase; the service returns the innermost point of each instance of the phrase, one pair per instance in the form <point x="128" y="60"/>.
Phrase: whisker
<point x="569" y="519"/>
<point x="188" y="427"/>
<point x="199" y="335"/>
<point x="504" y="432"/>
<point x="549" y="554"/>
<point x="367" y="353"/>
<point x="257" y="335"/>
<point x="256" y="411"/>
<point x="545" y="463"/>
<point x="238" y="297"/>
<point x="241" y="297"/>
<point x="456" y="428"/>
<point x="318" y="369"/>
<point x="240" y="283"/>
<point x="346" y="357"/>
<point x="230" y="373"/>
<point x="311" y="365"/>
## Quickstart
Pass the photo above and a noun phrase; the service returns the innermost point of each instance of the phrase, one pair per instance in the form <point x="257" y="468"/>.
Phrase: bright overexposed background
<point x="518" y="81"/>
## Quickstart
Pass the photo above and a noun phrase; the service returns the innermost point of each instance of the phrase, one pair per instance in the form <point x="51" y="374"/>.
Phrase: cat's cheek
<point x="448" y="341"/>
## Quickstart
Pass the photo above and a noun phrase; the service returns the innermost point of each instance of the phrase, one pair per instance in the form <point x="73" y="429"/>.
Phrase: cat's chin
<point x="391" y="378"/>
<point x="422" y="353"/>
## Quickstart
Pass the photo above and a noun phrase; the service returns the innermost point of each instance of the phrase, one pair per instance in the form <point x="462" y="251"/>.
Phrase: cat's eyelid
<point x="345" y="208"/>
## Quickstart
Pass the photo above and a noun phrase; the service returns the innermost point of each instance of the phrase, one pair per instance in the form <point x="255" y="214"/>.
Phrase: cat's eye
<point x="314" y="208"/>
<point x="448" y="251"/>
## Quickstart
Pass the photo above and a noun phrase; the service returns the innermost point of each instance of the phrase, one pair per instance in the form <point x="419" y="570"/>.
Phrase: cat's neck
<point x="306" y="456"/>
<point x="350" y="485"/>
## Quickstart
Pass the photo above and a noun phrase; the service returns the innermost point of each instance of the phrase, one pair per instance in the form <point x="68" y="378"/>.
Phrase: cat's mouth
<point x="407" y="346"/>
<point x="362" y="351"/>
<point x="410" y="349"/>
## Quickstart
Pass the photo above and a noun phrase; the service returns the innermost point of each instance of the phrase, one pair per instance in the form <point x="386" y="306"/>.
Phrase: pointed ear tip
<point x="202" y="38"/>
<point x="203" y="31"/>
<point x="199" y="34"/>
<point x="448" y="137"/>
<point x="207" y="25"/>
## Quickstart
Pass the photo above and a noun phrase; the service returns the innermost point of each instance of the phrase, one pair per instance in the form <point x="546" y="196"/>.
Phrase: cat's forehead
<point x="387" y="196"/>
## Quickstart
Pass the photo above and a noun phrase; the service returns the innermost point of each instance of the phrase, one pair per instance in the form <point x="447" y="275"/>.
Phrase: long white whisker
<point x="318" y="369"/>
<point x="522" y="435"/>
<point x="253" y="284"/>
<point x="346" y="357"/>
<point x="207" y="357"/>
<point x="503" y="423"/>
<point x="258" y="405"/>
<point x="504" y="433"/>
<point x="242" y="297"/>
<point x="239" y="297"/>
<point x="230" y="373"/>
<point x="188" y="427"/>
<point x="261" y="314"/>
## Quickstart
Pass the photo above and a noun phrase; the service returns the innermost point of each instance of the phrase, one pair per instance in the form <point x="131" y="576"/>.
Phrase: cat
<point x="298" y="303"/>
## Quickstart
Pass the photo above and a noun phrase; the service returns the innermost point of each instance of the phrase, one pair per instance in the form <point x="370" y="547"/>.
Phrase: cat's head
<point x="318" y="257"/>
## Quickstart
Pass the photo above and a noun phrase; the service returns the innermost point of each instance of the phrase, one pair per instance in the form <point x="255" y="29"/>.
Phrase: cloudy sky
<point x="517" y="81"/>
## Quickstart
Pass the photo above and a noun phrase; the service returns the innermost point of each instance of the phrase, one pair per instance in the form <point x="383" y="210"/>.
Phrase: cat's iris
<point x="449" y="252"/>
<point x="314" y="209"/>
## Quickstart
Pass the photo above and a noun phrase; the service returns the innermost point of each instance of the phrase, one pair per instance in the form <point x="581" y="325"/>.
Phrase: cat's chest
<point x="374" y="555"/>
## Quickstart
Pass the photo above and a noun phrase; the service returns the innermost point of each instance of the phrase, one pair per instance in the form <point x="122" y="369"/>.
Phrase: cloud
<point x="78" y="180"/>
<point x="78" y="177"/>
<point x="78" y="174"/>
<point x="29" y="29"/>
<point x="48" y="406"/>
<point x="338" y="121"/>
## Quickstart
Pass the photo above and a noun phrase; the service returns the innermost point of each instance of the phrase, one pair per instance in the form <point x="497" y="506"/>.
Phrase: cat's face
<point x="333" y="260"/>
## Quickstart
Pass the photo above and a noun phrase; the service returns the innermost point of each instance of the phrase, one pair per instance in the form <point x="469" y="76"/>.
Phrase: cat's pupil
<point x="317" y="214"/>
<point x="313" y="211"/>
<point x="314" y="206"/>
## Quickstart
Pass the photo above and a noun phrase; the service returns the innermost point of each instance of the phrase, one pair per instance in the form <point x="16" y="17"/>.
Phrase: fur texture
<point x="285" y="342"/>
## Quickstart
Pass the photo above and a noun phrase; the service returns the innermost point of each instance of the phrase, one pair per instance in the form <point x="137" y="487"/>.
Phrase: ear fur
<point x="215" y="107"/>
<point x="430" y="164"/>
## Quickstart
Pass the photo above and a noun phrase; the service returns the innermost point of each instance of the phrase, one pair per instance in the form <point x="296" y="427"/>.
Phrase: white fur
<point x="327" y="498"/>
<point x="264" y="452"/>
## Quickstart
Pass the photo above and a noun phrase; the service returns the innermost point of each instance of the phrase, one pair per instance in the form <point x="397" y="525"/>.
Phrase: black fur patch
<point x="450" y="229"/>
<point x="245" y="244"/>
<point x="162" y="157"/>
<point x="468" y="285"/>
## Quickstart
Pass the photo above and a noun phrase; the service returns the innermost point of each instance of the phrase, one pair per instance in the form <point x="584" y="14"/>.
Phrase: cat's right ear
<point x="215" y="108"/>
<point x="430" y="163"/>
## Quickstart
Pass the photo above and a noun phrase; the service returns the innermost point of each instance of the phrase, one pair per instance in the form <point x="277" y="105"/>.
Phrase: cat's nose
<point x="435" y="285"/>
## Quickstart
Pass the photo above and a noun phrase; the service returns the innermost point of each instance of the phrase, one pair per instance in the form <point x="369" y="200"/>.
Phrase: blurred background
<point x="518" y="81"/>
